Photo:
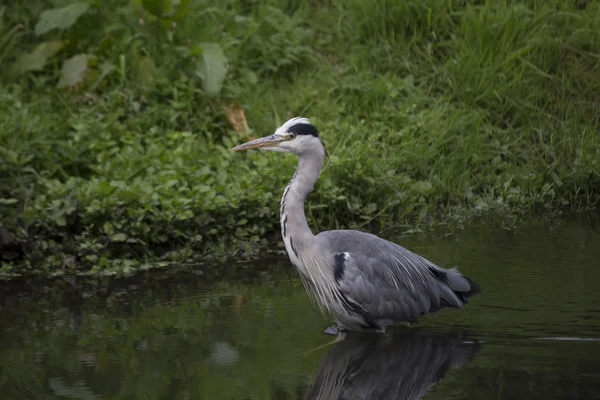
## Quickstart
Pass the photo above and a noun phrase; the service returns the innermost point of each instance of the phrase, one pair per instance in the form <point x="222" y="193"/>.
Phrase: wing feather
<point x="389" y="281"/>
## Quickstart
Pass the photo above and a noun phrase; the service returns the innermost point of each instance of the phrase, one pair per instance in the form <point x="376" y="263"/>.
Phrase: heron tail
<point x="461" y="286"/>
<point x="475" y="288"/>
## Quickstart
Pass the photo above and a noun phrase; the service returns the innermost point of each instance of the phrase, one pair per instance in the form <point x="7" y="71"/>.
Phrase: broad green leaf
<point x="212" y="68"/>
<point x="144" y="71"/>
<point x="422" y="186"/>
<point x="118" y="237"/>
<point x="168" y="10"/>
<point x="73" y="70"/>
<point x="181" y="11"/>
<point x="158" y="8"/>
<point x="8" y="201"/>
<point x="371" y="208"/>
<point x="36" y="60"/>
<point x="108" y="228"/>
<point x="251" y="77"/>
<point x="60" y="18"/>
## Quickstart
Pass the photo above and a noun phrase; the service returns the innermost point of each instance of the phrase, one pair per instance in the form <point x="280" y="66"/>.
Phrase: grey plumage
<point x="364" y="281"/>
<point x="390" y="283"/>
<point x="404" y="366"/>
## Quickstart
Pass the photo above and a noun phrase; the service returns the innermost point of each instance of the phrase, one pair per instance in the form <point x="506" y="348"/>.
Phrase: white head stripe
<point x="291" y="122"/>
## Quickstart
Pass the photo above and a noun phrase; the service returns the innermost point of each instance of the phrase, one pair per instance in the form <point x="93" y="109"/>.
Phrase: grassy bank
<point x="114" y="140"/>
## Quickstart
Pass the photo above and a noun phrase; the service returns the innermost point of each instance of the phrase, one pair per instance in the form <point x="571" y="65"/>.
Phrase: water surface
<point x="533" y="333"/>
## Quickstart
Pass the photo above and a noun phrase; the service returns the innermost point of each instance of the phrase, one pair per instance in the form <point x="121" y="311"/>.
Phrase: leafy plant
<point x="430" y="110"/>
<point x="61" y="18"/>
<point x="212" y="67"/>
<point x="9" y="37"/>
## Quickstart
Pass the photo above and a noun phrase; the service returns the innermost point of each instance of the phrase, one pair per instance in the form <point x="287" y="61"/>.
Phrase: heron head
<point x="297" y="135"/>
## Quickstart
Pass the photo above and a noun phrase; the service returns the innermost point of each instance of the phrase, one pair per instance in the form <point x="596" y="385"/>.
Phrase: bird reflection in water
<point x="402" y="365"/>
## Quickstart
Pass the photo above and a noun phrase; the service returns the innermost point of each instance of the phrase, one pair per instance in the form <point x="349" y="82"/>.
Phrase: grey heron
<point x="364" y="281"/>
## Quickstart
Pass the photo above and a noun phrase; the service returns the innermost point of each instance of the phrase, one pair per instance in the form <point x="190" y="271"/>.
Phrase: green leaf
<point x="108" y="228"/>
<point x="250" y="77"/>
<point x="371" y="208"/>
<point x="145" y="71"/>
<point x="422" y="187"/>
<point x="181" y="11"/>
<point x="557" y="181"/>
<point x="8" y="201"/>
<point x="106" y="68"/>
<point x="158" y="8"/>
<point x="212" y="67"/>
<point x="118" y="237"/>
<point x="36" y="60"/>
<point x="73" y="70"/>
<point x="60" y="18"/>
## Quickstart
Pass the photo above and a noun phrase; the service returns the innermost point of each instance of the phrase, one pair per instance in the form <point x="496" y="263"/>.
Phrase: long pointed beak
<point x="267" y="141"/>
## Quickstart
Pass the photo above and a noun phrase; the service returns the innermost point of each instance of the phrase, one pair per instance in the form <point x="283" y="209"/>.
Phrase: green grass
<point x="429" y="109"/>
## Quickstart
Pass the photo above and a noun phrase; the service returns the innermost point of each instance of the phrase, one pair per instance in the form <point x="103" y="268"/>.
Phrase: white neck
<point x="296" y="233"/>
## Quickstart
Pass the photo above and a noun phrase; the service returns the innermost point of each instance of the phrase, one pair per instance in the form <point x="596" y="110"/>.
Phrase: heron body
<point x="364" y="281"/>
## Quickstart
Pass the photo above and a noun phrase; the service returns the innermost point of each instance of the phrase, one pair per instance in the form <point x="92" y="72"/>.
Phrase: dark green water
<point x="533" y="334"/>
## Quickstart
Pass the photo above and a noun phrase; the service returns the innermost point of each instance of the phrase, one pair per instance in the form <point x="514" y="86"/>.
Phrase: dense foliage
<point x="114" y="144"/>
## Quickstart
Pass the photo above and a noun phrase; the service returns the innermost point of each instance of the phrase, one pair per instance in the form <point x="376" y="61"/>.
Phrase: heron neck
<point x="294" y="226"/>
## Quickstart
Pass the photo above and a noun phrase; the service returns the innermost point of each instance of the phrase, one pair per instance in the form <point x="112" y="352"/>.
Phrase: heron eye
<point x="292" y="136"/>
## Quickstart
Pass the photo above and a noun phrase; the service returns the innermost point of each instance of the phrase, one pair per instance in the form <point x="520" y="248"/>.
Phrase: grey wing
<point x="389" y="282"/>
<point x="378" y="295"/>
